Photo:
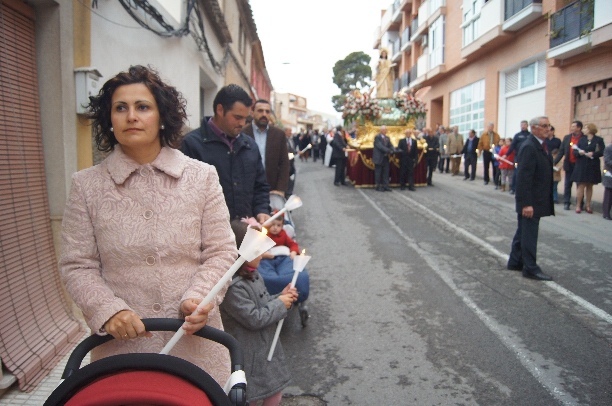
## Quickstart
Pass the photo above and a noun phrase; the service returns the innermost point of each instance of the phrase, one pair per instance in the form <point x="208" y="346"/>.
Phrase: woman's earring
<point x="112" y="129"/>
<point x="163" y="127"/>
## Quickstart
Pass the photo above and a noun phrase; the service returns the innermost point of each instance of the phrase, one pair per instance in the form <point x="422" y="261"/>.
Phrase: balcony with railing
<point x="602" y="26"/>
<point x="396" y="50"/>
<point x="414" y="28"/>
<point x="406" y="44"/>
<point x="519" y="13"/>
<point x="570" y="30"/>
<point x="405" y="80"/>
<point x="483" y="30"/>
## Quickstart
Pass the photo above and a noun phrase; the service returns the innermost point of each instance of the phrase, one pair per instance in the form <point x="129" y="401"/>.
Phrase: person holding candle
<point x="146" y="232"/>
<point x="276" y="268"/>
<point x="250" y="314"/>
<point x="587" y="171"/>
<point x="506" y="166"/>
<point x="487" y="141"/>
<point x="534" y="177"/>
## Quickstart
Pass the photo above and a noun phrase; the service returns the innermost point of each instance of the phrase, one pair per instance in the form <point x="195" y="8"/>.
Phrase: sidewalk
<point x="13" y="396"/>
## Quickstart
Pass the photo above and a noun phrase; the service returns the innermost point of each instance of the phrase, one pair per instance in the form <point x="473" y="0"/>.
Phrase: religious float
<point x="366" y="114"/>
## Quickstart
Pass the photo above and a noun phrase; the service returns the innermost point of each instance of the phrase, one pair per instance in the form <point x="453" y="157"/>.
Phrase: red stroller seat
<point x="146" y="378"/>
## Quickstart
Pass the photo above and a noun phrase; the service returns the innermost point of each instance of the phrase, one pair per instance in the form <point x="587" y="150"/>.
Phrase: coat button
<point x="157" y="307"/>
<point x="144" y="172"/>
<point x="150" y="260"/>
<point x="148" y="214"/>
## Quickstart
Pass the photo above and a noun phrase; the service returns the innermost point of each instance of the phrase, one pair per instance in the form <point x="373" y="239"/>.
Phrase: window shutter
<point x="36" y="326"/>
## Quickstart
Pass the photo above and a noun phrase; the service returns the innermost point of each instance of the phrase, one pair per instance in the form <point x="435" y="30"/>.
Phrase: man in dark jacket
<point x="470" y="156"/>
<point x="339" y="147"/>
<point x="433" y="152"/>
<point x="272" y="146"/>
<point x="220" y="142"/>
<point x="380" y="155"/>
<point x="518" y="139"/>
<point x="409" y="155"/>
<point x="533" y="199"/>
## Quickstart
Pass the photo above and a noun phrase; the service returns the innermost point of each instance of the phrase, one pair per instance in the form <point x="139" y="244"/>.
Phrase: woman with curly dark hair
<point x="146" y="232"/>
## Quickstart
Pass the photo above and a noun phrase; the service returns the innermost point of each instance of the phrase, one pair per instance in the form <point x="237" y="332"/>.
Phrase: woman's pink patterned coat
<point x="145" y="238"/>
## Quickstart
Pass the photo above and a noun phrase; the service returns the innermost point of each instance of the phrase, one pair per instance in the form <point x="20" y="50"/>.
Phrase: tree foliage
<point x="350" y="73"/>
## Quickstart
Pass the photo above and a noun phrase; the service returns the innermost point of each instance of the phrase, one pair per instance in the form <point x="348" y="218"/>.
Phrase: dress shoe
<point x="343" y="183"/>
<point x="512" y="192"/>
<point x="486" y="182"/>
<point x="386" y="189"/>
<point x="472" y="179"/>
<point x="413" y="189"/>
<point x="465" y="178"/>
<point x="515" y="267"/>
<point x="589" y="210"/>
<point x="402" y="187"/>
<point x="539" y="276"/>
<point x="336" y="183"/>
<point x="607" y="218"/>
<point x="578" y="211"/>
<point x="379" y="189"/>
<point x="566" y="206"/>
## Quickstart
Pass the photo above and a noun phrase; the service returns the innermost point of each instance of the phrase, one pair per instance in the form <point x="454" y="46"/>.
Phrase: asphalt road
<point x="411" y="303"/>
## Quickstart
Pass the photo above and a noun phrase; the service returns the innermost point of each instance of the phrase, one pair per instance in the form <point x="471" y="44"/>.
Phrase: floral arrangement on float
<point x="358" y="106"/>
<point x="409" y="105"/>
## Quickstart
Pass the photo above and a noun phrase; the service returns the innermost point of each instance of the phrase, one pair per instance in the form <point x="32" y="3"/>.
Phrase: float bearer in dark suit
<point x="534" y="199"/>
<point x="409" y="155"/>
<point x="380" y="156"/>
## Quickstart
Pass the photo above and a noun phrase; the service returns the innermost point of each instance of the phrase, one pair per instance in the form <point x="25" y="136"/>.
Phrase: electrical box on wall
<point x="87" y="83"/>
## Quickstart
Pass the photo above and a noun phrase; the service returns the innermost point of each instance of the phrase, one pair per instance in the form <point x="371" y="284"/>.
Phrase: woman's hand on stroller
<point x="194" y="321"/>
<point x="125" y="325"/>
<point x="288" y="296"/>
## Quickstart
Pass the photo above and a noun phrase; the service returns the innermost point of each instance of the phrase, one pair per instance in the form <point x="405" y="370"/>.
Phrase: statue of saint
<point x="385" y="76"/>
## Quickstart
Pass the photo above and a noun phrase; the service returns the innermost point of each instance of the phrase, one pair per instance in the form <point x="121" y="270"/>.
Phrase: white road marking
<point x="531" y="361"/>
<point x="504" y="258"/>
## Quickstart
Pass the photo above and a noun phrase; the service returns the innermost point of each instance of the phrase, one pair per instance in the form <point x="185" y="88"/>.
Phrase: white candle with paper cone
<point x="254" y="244"/>
<point x="299" y="263"/>
<point x="291" y="204"/>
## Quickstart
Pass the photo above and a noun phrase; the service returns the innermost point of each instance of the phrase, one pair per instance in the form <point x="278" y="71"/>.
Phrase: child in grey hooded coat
<point x="250" y="314"/>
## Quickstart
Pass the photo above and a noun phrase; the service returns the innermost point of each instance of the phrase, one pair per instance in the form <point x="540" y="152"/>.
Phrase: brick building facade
<point x="502" y="61"/>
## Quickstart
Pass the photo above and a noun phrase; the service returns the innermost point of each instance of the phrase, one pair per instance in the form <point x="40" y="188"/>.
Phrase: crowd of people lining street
<point x="149" y="231"/>
<point x="578" y="156"/>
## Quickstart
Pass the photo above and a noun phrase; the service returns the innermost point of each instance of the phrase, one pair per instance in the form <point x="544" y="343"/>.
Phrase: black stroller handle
<point x="158" y="324"/>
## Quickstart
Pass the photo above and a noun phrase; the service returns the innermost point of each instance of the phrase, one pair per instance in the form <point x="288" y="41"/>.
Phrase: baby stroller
<point x="152" y="379"/>
<point x="276" y="282"/>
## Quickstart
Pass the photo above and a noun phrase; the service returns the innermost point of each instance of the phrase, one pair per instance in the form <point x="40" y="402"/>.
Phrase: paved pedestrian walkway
<point x="15" y="397"/>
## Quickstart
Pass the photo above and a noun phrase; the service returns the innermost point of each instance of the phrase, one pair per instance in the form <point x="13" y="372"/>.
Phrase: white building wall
<point x="118" y="41"/>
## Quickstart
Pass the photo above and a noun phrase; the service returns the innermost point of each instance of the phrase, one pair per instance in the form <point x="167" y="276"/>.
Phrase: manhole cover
<point x="302" y="400"/>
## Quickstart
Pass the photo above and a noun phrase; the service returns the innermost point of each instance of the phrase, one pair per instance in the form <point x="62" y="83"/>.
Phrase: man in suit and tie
<point x="408" y="154"/>
<point x="470" y="155"/>
<point x="339" y="147"/>
<point x="272" y="147"/>
<point x="380" y="156"/>
<point x="433" y="152"/>
<point x="534" y="199"/>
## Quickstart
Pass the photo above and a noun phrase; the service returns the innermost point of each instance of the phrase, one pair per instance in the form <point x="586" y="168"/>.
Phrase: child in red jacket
<point x="276" y="267"/>
<point x="506" y="168"/>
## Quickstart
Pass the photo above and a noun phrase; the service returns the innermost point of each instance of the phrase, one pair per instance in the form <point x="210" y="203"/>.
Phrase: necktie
<point x="545" y="147"/>
<point x="409" y="144"/>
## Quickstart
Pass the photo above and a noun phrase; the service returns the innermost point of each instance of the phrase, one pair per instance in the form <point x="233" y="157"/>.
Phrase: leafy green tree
<point x="350" y="73"/>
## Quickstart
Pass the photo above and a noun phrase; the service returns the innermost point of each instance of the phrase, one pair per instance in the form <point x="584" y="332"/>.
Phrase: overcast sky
<point x="302" y="40"/>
